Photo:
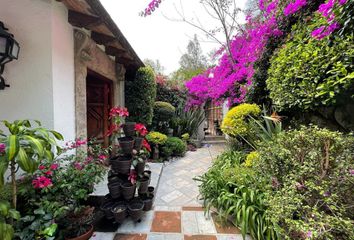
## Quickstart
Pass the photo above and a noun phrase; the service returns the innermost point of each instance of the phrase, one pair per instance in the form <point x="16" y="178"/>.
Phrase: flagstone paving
<point x="178" y="212"/>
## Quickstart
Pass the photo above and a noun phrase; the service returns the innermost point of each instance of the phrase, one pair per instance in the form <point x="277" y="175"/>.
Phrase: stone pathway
<point x="177" y="213"/>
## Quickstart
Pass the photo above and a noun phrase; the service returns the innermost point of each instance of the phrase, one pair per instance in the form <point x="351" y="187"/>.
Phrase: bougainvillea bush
<point x="233" y="77"/>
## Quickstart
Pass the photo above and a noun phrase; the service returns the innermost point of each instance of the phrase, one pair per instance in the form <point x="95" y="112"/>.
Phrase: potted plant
<point x="129" y="129"/>
<point x="143" y="183"/>
<point x="148" y="200"/>
<point x="121" y="164"/>
<point x="120" y="212"/>
<point x="140" y="133"/>
<point x="157" y="139"/>
<point x="80" y="224"/>
<point x="135" y="208"/>
<point x="129" y="188"/>
<point x="117" y="115"/>
<point x="139" y="160"/>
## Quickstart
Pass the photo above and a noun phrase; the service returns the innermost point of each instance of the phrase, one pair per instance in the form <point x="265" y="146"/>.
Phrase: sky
<point x="162" y="35"/>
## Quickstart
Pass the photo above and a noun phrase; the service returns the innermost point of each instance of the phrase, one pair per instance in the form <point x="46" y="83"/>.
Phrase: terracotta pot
<point x="107" y="209"/>
<point x="120" y="212"/>
<point x="121" y="164"/>
<point x="85" y="236"/>
<point x="148" y="201"/>
<point x="140" y="167"/>
<point x="144" y="183"/>
<point x="129" y="129"/>
<point x="126" y="144"/>
<point x="115" y="189"/>
<point x="136" y="210"/>
<point x="138" y="143"/>
<point x="128" y="190"/>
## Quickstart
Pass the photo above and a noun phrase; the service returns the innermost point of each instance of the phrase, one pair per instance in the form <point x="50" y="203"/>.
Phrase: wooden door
<point x="214" y="118"/>
<point x="99" y="101"/>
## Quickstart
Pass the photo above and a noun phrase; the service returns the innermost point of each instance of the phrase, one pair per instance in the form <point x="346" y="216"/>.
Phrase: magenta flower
<point x="351" y="172"/>
<point x="2" y="148"/>
<point x="42" y="182"/>
<point x="41" y="167"/>
<point x="54" y="166"/>
<point x="293" y="7"/>
<point x="309" y="234"/>
<point x="78" y="166"/>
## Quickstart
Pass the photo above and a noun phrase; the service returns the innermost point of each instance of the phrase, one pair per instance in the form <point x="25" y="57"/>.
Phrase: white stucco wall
<point x="42" y="80"/>
<point x="63" y="72"/>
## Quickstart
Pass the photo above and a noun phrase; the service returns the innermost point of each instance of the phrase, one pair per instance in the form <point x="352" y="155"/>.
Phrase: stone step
<point x="214" y="138"/>
<point x="214" y="142"/>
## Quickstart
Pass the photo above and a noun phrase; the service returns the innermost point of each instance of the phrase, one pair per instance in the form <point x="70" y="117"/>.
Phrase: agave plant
<point x="188" y="121"/>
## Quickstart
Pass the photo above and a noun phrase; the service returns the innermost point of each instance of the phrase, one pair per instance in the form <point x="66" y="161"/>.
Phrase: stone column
<point x="119" y="89"/>
<point x="82" y="56"/>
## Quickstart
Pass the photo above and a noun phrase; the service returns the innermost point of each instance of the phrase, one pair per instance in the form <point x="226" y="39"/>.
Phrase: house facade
<point x="72" y="65"/>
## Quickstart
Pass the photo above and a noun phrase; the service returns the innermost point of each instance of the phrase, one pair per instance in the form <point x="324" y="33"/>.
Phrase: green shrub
<point x="140" y="96"/>
<point x="235" y="191"/>
<point x="163" y="111"/>
<point x="235" y="122"/>
<point x="310" y="178"/>
<point x="171" y="95"/>
<point x="307" y="73"/>
<point x="174" y="147"/>
<point x="156" y="138"/>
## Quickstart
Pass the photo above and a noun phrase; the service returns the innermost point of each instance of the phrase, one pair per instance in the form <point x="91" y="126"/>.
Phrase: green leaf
<point x="4" y="208"/>
<point x="36" y="144"/>
<point x="14" y="214"/>
<point x="57" y="135"/>
<point x="4" y="164"/>
<point x="23" y="161"/>
<point x="12" y="147"/>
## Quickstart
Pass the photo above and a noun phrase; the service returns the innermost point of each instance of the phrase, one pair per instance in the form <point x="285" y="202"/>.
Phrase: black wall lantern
<point x="9" y="50"/>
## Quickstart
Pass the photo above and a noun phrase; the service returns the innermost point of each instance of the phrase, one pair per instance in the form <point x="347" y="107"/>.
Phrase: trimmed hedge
<point x="140" y="96"/>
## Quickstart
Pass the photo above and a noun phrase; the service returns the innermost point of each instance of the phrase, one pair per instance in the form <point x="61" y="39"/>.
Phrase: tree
<point x="155" y="65"/>
<point x="194" y="58"/>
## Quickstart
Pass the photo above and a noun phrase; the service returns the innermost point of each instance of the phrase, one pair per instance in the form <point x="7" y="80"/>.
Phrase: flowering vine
<point x="150" y="8"/>
<point x="232" y="77"/>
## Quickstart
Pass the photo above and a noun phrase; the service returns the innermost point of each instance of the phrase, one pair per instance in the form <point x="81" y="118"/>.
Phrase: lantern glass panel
<point x="15" y="50"/>
<point x="3" y="42"/>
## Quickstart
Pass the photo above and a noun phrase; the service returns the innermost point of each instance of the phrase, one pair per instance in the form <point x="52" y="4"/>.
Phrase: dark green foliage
<point x="163" y="113"/>
<point x="310" y="183"/>
<point x="173" y="147"/>
<point x="140" y="96"/>
<point x="171" y="95"/>
<point x="307" y="73"/>
<point x="187" y="121"/>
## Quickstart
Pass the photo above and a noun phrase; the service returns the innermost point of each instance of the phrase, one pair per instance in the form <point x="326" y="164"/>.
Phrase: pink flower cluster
<point x="2" y="148"/>
<point x="150" y="8"/>
<point x="232" y="77"/>
<point x="75" y="144"/>
<point x="326" y="9"/>
<point x="44" y="181"/>
<point x="140" y="129"/>
<point x="119" y="112"/>
<point x="293" y="7"/>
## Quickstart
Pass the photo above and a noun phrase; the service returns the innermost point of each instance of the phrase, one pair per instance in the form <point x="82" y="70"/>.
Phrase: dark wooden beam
<point x="115" y="51"/>
<point x="103" y="39"/>
<point x="82" y="20"/>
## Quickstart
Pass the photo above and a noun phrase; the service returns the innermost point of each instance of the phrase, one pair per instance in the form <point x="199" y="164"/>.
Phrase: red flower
<point x="146" y="145"/>
<point x="141" y="129"/>
<point x="118" y="111"/>
<point x="42" y="182"/>
<point x="41" y="167"/>
<point x="112" y="129"/>
<point x="2" y="147"/>
<point x="54" y="166"/>
<point x="102" y="157"/>
<point x="78" y="166"/>
<point x="48" y="173"/>
<point x="132" y="176"/>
